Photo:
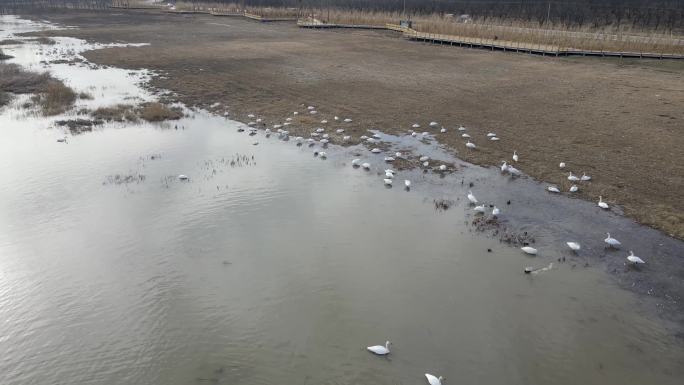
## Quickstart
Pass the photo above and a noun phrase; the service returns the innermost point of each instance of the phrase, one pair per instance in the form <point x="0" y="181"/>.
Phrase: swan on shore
<point x="251" y="116"/>
<point x="443" y="130"/>
<point x="324" y="121"/>
<point x="295" y="113"/>
<point x="574" y="188"/>
<point x="311" y="108"/>
<point x="389" y="159"/>
<point x="379" y="349"/>
<point x="612" y="242"/>
<point x="183" y="177"/>
<point x="602" y="204"/>
<point x="423" y="158"/>
<point x="397" y="154"/>
<point x="585" y="177"/>
<point x="259" y="120"/>
<point x="574" y="246"/>
<point x="442" y="167"/>
<point x="465" y="136"/>
<point x="504" y="167"/>
<point x="407" y="183"/>
<point x="461" y="128"/>
<point x="363" y="137"/>
<point x="432" y="380"/>
<point x="529" y="250"/>
<point x="320" y="129"/>
<point x="515" y="156"/>
<point x="480" y="209"/>
<point x="388" y="182"/>
<point x="366" y="166"/>
<point x="336" y="118"/>
<point x="496" y="211"/>
<point x="562" y="165"/>
<point x="471" y="197"/>
<point x="553" y="189"/>
<point x="415" y="125"/>
<point x="356" y="162"/>
<point x="494" y="138"/>
<point x="572" y="178"/>
<point x="346" y="138"/>
<point x="491" y="135"/>
<point x="376" y="150"/>
<point x="413" y="133"/>
<point x="288" y="119"/>
<point x="339" y="130"/>
<point x="347" y="120"/>
<point x="433" y="124"/>
<point x="389" y="174"/>
<point x="426" y="163"/>
<point x="633" y="259"/>
<point x="470" y="145"/>
<point x="324" y="141"/>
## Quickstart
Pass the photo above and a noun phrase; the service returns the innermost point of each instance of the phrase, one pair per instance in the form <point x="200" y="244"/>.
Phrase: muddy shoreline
<point x="187" y="80"/>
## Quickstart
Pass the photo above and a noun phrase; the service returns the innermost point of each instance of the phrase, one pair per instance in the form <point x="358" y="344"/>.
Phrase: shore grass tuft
<point x="55" y="99"/>
<point x="157" y="112"/>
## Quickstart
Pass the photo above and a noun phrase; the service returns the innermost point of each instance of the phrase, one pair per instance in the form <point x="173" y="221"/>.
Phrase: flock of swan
<point x="381" y="350"/>
<point x="319" y="135"/>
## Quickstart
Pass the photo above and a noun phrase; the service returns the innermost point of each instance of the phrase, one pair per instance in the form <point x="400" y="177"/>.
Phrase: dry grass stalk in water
<point x="55" y="99"/>
<point x="157" y="112"/>
<point x="118" y="113"/>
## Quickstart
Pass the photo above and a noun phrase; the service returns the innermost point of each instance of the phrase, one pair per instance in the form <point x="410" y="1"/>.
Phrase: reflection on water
<point x="279" y="271"/>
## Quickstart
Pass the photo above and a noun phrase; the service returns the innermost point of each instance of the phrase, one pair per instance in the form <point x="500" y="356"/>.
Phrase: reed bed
<point x="607" y="38"/>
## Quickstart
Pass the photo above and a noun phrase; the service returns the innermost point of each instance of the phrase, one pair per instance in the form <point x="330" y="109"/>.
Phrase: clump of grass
<point x="85" y="96"/>
<point x="4" y="98"/>
<point x="55" y="99"/>
<point x="19" y="81"/>
<point x="118" y="113"/>
<point x="157" y="112"/>
<point x="45" y="40"/>
<point x="10" y="42"/>
<point x="3" y="56"/>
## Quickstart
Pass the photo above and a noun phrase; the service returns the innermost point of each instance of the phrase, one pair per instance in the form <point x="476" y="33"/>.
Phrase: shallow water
<point x="283" y="267"/>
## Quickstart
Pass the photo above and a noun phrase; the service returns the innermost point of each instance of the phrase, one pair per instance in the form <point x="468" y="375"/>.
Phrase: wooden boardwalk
<point x="496" y="45"/>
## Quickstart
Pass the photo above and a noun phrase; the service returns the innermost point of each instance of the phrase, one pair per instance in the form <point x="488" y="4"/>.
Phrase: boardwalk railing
<point x="494" y="44"/>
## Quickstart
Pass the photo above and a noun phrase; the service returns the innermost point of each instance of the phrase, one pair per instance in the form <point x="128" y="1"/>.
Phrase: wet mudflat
<point x="269" y="265"/>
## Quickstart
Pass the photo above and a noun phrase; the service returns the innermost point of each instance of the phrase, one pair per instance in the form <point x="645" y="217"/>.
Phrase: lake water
<point x="279" y="269"/>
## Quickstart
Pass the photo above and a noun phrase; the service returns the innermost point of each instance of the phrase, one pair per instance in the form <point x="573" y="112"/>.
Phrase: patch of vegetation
<point x="157" y="112"/>
<point x="85" y="96"/>
<point x="55" y="99"/>
<point x="4" y="57"/>
<point x="78" y="126"/>
<point x="10" y="42"/>
<point x="118" y="113"/>
<point x="4" y="98"/>
<point x="45" y="40"/>
<point x="19" y="81"/>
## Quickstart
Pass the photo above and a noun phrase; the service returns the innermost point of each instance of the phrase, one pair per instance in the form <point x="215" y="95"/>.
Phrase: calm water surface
<point x="278" y="270"/>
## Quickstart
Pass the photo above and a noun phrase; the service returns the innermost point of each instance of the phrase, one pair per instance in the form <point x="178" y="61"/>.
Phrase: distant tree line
<point x="656" y="14"/>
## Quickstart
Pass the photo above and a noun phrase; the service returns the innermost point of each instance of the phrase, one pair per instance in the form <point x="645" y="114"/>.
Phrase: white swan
<point x="311" y="108"/>
<point x="504" y="167"/>
<point x="389" y="175"/>
<point x="347" y="120"/>
<point x="397" y="154"/>
<point x="324" y="121"/>
<point x="363" y="137"/>
<point x="425" y="133"/>
<point x="562" y="165"/>
<point x="602" y="204"/>
<point x="433" y="124"/>
<point x="366" y="166"/>
<point x="513" y="170"/>
<point x="295" y="113"/>
<point x="326" y="136"/>
<point x="413" y="133"/>
<point x="496" y="211"/>
<point x="415" y="125"/>
<point x="634" y="259"/>
<point x="515" y="156"/>
<point x="317" y="130"/>
<point x="553" y="189"/>
<point x="491" y="135"/>
<point x="585" y="177"/>
<point x="339" y="130"/>
<point x="461" y="128"/>
<point x="480" y="209"/>
<point x="388" y="182"/>
<point x="346" y="138"/>
<point x="389" y="159"/>
<point x="574" y="246"/>
<point x="250" y="116"/>
<point x="376" y="150"/>
<point x="572" y="178"/>
<point x="183" y="177"/>
<point x="288" y="119"/>
<point x="324" y="141"/>
<point x="322" y="154"/>
<point x="432" y="380"/>
<point x="471" y="197"/>
<point x="529" y="250"/>
<point x="313" y="112"/>
<point x="465" y="136"/>
<point x="494" y="138"/>
<point x="442" y="167"/>
<point x="407" y="183"/>
<point x="612" y="242"/>
<point x="470" y="145"/>
<point x="426" y="163"/>
<point x="379" y="349"/>
<point x="443" y="130"/>
<point x="574" y="188"/>
<point x="423" y="158"/>
<point x="336" y="118"/>
<point x="259" y="120"/>
<point x="356" y="162"/>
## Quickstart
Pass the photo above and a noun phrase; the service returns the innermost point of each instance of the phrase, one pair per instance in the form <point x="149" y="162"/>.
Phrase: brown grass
<point x="55" y="99"/>
<point x="45" y="40"/>
<point x="19" y="81"/>
<point x="3" y="56"/>
<point x="157" y="112"/>
<point x="118" y="113"/>
<point x="10" y="42"/>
